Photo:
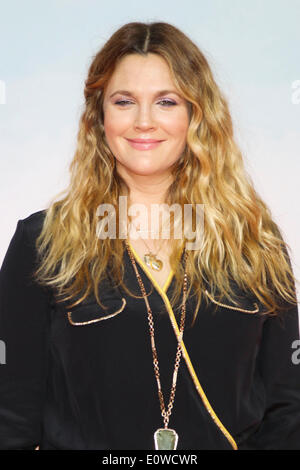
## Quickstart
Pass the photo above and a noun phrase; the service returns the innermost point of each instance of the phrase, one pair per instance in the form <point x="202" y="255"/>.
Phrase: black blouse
<point x="84" y="379"/>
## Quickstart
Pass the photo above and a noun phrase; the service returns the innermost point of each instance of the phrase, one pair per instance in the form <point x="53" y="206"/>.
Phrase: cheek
<point x="177" y="126"/>
<point x="114" y="123"/>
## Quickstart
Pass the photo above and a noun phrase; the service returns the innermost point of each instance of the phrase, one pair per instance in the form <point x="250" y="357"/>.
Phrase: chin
<point x="141" y="169"/>
<point x="147" y="171"/>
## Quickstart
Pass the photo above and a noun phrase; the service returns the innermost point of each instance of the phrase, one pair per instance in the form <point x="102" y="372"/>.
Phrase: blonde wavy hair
<point x="242" y="243"/>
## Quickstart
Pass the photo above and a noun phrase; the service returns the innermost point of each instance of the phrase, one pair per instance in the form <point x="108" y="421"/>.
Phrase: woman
<point x="137" y="342"/>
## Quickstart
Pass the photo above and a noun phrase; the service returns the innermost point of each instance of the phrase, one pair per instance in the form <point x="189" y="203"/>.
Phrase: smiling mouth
<point x="144" y="144"/>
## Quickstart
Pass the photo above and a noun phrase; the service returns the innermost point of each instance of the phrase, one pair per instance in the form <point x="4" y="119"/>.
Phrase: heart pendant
<point x="152" y="262"/>
<point x="156" y="264"/>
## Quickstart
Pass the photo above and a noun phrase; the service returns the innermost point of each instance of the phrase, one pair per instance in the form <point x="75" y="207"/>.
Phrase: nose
<point x="144" y="117"/>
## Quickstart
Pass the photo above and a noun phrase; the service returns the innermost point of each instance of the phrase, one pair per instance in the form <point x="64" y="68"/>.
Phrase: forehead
<point x="137" y="71"/>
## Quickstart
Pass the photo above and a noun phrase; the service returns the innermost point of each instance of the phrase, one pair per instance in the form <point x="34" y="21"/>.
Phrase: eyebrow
<point x="158" y="93"/>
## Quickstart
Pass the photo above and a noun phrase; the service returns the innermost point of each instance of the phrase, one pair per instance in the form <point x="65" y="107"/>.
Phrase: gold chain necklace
<point x="164" y="438"/>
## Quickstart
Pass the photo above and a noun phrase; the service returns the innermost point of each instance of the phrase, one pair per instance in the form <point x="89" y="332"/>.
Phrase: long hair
<point x="242" y="243"/>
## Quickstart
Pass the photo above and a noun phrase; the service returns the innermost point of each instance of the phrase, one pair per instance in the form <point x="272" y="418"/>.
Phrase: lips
<point x="144" y="144"/>
<point x="144" y="141"/>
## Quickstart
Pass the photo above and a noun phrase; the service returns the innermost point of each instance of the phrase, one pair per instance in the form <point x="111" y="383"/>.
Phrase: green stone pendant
<point x="165" y="439"/>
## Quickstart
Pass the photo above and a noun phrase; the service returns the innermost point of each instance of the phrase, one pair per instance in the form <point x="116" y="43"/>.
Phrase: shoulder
<point x="33" y="224"/>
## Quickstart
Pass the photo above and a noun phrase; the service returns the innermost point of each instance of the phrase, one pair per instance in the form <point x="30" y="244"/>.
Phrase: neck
<point x="146" y="189"/>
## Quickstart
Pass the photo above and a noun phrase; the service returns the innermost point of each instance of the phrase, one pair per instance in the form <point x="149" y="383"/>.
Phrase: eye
<point x="122" y="102"/>
<point x="168" y="102"/>
<point x="163" y="102"/>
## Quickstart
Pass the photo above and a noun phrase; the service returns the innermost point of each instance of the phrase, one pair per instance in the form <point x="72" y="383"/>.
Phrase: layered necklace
<point x="164" y="438"/>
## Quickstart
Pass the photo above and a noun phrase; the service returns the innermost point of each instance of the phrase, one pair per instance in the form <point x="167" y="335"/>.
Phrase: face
<point x="141" y="102"/>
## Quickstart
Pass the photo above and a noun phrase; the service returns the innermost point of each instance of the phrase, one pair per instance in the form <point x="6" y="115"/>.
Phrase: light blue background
<point x="252" y="46"/>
